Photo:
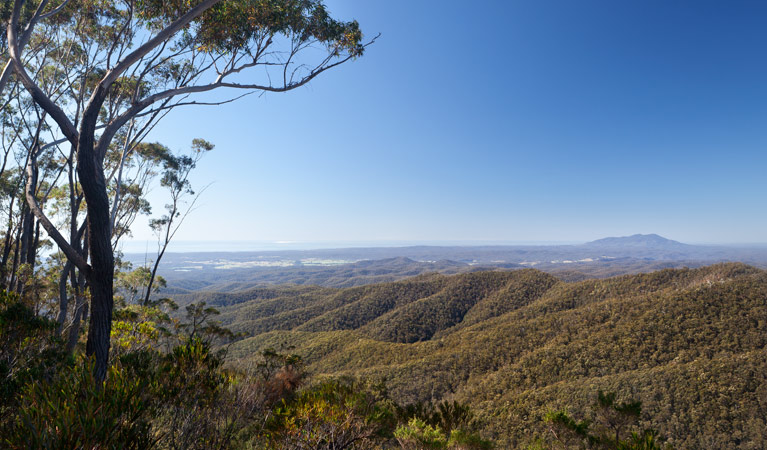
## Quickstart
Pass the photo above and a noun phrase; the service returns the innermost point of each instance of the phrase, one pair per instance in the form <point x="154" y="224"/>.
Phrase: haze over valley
<point x="344" y="267"/>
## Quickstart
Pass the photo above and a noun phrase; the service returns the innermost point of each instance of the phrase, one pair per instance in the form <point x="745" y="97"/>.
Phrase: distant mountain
<point x="644" y="241"/>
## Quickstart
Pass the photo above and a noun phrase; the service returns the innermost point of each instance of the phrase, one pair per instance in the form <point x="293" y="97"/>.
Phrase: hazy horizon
<point x="187" y="246"/>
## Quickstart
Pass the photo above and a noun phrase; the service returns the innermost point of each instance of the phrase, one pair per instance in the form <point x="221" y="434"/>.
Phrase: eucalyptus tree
<point x="145" y="57"/>
<point x="175" y="180"/>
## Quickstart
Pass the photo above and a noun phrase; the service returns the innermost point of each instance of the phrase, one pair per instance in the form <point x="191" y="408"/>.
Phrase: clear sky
<point x="536" y="120"/>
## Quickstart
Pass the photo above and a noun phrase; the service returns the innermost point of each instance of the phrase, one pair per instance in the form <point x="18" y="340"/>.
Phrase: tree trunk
<point x="27" y="229"/>
<point x="100" y="282"/>
<point x="63" y="296"/>
<point x="81" y="310"/>
<point x="153" y="275"/>
<point x="74" y="329"/>
<point x="7" y="247"/>
<point x="28" y="225"/>
<point x="101" y="273"/>
<point x="15" y="266"/>
<point x="32" y="256"/>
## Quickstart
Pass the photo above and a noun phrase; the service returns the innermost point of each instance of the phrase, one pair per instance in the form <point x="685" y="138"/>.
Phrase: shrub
<point x="462" y="440"/>
<point x="76" y="411"/>
<point x="331" y="414"/>
<point x="418" y="435"/>
<point x="29" y="350"/>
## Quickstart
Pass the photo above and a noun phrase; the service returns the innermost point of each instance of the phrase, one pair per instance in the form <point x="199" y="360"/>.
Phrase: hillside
<point x="689" y="343"/>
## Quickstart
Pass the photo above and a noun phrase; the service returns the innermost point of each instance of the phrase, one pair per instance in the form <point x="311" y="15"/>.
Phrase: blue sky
<point x="545" y="120"/>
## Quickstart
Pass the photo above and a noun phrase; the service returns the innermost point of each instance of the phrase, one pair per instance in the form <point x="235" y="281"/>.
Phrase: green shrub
<point x="462" y="440"/>
<point x="76" y="411"/>
<point x="29" y="350"/>
<point x="331" y="414"/>
<point x="418" y="435"/>
<point x="613" y="426"/>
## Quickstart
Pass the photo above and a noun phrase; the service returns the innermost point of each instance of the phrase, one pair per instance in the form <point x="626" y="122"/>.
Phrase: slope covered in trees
<point x="688" y="343"/>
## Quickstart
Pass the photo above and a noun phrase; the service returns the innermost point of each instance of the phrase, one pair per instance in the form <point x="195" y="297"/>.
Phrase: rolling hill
<point x="689" y="343"/>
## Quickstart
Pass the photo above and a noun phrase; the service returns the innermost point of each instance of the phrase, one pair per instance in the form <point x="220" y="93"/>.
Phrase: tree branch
<point x="152" y="43"/>
<point x="53" y="110"/>
<point x="72" y="254"/>
<point x="122" y="119"/>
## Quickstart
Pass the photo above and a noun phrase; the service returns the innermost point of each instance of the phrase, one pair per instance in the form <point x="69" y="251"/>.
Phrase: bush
<point x="418" y="435"/>
<point x="76" y="411"/>
<point x="462" y="440"/>
<point x="29" y="350"/>
<point x="331" y="414"/>
<point x="614" y="426"/>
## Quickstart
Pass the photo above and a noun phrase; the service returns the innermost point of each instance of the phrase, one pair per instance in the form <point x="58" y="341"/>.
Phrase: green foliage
<point x="183" y="399"/>
<point x="445" y="415"/>
<point x="233" y="25"/>
<point x="73" y="410"/>
<point x="101" y="51"/>
<point x="200" y="325"/>
<point x="272" y="362"/>
<point x="418" y="435"/>
<point x="132" y="284"/>
<point x="191" y="372"/>
<point x="199" y="404"/>
<point x="331" y="414"/>
<point x="180" y="399"/>
<point x="688" y="343"/>
<point x="452" y="416"/>
<point x="136" y="328"/>
<point x="566" y="429"/>
<point x="29" y="349"/>
<point x="405" y="311"/>
<point x="614" y="426"/>
<point x="425" y="317"/>
<point x="462" y="440"/>
<point x="445" y="425"/>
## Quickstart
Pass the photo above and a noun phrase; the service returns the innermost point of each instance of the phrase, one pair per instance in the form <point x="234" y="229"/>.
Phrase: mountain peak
<point x="636" y="240"/>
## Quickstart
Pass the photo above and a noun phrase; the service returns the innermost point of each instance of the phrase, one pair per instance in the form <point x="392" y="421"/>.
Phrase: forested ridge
<point x="688" y="343"/>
